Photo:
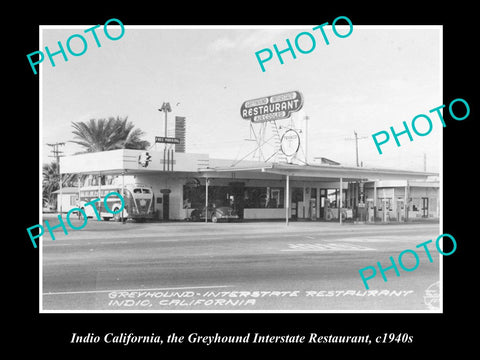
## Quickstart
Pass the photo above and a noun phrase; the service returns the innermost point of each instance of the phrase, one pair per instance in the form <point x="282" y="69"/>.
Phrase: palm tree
<point x="102" y="135"/>
<point x="50" y="181"/>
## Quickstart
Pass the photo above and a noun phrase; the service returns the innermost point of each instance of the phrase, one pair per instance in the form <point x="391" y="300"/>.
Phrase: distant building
<point x="402" y="200"/>
<point x="326" y="161"/>
<point x="68" y="198"/>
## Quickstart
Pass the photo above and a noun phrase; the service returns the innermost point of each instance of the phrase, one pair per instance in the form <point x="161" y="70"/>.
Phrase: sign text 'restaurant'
<point x="272" y="108"/>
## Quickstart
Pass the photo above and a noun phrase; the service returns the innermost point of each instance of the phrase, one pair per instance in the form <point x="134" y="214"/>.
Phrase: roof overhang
<point x="324" y="172"/>
<point x="127" y="161"/>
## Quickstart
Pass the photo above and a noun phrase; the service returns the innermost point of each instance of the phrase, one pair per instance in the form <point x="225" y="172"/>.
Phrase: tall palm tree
<point x="102" y="135"/>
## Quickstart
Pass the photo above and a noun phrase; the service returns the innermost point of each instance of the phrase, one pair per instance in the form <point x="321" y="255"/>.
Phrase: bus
<point x="138" y="199"/>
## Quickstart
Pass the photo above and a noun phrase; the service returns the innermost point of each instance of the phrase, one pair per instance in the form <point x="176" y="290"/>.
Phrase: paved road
<point x="306" y="266"/>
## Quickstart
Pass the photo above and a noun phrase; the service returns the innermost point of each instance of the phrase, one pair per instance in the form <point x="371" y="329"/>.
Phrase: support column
<point x="287" y="198"/>
<point x="340" y="202"/>
<point x="374" y="201"/>
<point x="405" y="206"/>
<point x="394" y="204"/>
<point x="304" y="195"/>
<point x="100" y="194"/>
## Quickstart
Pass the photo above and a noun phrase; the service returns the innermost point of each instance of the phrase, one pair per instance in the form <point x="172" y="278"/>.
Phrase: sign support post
<point x="166" y="108"/>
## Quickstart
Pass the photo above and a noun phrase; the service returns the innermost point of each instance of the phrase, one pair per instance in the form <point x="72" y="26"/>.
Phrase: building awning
<point x="129" y="161"/>
<point x="324" y="172"/>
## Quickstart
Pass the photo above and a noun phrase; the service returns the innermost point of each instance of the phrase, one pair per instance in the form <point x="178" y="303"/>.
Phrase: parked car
<point x="215" y="214"/>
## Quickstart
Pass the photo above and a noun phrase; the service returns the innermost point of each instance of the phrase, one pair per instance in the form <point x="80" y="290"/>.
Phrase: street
<point x="264" y="266"/>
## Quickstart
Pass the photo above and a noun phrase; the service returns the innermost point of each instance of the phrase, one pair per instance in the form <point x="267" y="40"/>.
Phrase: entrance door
<point x="425" y="207"/>
<point x="297" y="203"/>
<point x="237" y="189"/>
<point x="166" y="206"/>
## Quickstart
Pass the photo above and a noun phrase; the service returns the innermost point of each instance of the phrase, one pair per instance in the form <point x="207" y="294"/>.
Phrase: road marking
<point x="326" y="247"/>
<point x="129" y="290"/>
<point x="67" y="242"/>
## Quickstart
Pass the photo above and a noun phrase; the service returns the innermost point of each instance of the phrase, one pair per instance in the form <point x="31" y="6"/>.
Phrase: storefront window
<point x="332" y="197"/>
<point x="250" y="197"/>
<point x="263" y="197"/>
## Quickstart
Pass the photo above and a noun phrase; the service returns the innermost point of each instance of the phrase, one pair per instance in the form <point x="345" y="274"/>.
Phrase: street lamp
<point x="166" y="108"/>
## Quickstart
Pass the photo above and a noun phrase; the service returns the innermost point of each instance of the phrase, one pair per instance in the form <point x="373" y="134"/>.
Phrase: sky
<point x="377" y="77"/>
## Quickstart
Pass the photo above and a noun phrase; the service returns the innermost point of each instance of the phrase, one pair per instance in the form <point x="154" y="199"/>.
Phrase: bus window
<point x="146" y="191"/>
<point x="137" y="191"/>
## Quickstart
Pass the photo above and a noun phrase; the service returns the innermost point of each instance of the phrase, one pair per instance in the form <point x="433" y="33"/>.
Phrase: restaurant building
<point x="182" y="182"/>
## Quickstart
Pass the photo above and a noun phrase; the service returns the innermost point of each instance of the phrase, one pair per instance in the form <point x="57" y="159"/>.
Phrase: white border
<point x="243" y="27"/>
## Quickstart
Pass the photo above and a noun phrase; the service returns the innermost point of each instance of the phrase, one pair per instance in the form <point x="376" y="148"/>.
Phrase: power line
<point x="356" y="143"/>
<point x="56" y="153"/>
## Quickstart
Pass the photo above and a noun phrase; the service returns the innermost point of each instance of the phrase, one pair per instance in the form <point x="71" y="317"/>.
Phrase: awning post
<point x="340" y="202"/>
<point x="405" y="203"/>
<point x="206" y="200"/>
<point x="287" y="198"/>
<point x="99" y="193"/>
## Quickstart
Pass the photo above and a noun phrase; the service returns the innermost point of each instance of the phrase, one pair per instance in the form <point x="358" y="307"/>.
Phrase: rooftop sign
<point x="290" y="142"/>
<point x="272" y="108"/>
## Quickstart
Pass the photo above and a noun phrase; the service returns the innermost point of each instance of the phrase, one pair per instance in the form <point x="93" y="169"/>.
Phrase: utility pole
<point x="56" y="153"/>
<point x="356" y="143"/>
<point x="358" y="190"/>
<point x="306" y="139"/>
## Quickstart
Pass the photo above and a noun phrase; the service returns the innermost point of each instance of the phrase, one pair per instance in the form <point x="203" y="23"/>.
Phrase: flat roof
<point x="325" y="171"/>
<point x="132" y="162"/>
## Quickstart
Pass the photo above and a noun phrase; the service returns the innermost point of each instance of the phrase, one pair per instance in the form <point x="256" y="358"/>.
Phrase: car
<point x="215" y="214"/>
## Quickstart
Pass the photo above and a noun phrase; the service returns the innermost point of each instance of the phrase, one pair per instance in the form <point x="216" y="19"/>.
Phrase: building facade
<point x="182" y="182"/>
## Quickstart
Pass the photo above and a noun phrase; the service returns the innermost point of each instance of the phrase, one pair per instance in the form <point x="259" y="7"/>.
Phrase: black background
<point x="50" y="334"/>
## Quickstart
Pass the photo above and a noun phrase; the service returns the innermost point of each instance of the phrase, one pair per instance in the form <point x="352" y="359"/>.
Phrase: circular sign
<point x="290" y="142"/>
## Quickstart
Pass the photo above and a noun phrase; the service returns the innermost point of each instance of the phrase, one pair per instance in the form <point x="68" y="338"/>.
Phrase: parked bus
<point x="138" y="199"/>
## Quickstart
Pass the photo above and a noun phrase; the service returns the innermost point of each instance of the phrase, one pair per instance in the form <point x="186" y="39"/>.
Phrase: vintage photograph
<point x="241" y="168"/>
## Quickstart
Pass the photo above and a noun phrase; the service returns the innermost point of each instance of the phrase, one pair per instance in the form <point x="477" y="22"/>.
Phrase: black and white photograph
<point x="272" y="177"/>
